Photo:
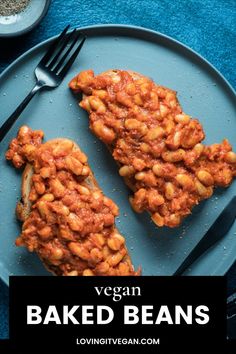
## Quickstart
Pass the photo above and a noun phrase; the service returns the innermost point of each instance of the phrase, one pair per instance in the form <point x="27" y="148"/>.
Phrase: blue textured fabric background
<point x="207" y="26"/>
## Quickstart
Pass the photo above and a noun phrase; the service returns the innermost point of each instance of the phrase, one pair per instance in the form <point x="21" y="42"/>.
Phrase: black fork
<point x="51" y="70"/>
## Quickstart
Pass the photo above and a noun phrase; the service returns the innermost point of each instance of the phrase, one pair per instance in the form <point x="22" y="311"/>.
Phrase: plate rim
<point x="135" y="29"/>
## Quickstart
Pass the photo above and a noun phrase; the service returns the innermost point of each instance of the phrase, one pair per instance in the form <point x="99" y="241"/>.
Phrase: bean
<point x="158" y="219"/>
<point x="124" y="99"/>
<point x="45" y="172"/>
<point x="185" y="181"/>
<point x="132" y="124"/>
<point x="227" y="177"/>
<point x="45" y="232"/>
<point x="17" y="160"/>
<point x="58" y="190"/>
<point x="75" y="223"/>
<point x="33" y="196"/>
<point x="139" y="164"/>
<point x="115" y="241"/>
<point x="130" y="89"/>
<point x="97" y="105"/>
<point x="85" y="171"/>
<point x="29" y="150"/>
<point x="173" y="220"/>
<point x="164" y="110"/>
<point x="154" y="105"/>
<point x="142" y="80"/>
<point x="138" y="100"/>
<point x="64" y="210"/>
<point x="201" y="189"/>
<point x="106" y="252"/>
<point x="78" y="250"/>
<point x="173" y="141"/>
<point x="158" y="170"/>
<point x="137" y="202"/>
<point x="157" y="115"/>
<point x="124" y="268"/>
<point x="88" y="272"/>
<point x="176" y="139"/>
<point x="102" y="94"/>
<point x="23" y="131"/>
<point x="98" y="240"/>
<point x="145" y="89"/>
<point x="66" y="233"/>
<point x="141" y="194"/>
<point x="43" y="208"/>
<point x="169" y="127"/>
<point x="63" y="148"/>
<point x="82" y="157"/>
<point x="98" y="195"/>
<point x="198" y="148"/>
<point x="173" y="156"/>
<point x="205" y="177"/>
<point x="161" y="92"/>
<point x="115" y="78"/>
<point x="140" y="176"/>
<point x="56" y="253"/>
<point x="59" y="208"/>
<point x="125" y="171"/>
<point x="155" y="199"/>
<point x="72" y="273"/>
<point x="169" y="190"/>
<point x="155" y="133"/>
<point x="96" y="256"/>
<point x="230" y="157"/>
<point x="122" y="144"/>
<point x="144" y="147"/>
<point x="102" y="268"/>
<point x="29" y="230"/>
<point x="83" y="190"/>
<point x="111" y="205"/>
<point x="182" y="118"/>
<point x="114" y="259"/>
<point x="39" y="187"/>
<point x="103" y="132"/>
<point x="108" y="219"/>
<point x="85" y="104"/>
<point x="170" y="96"/>
<point x="79" y="155"/>
<point x="135" y="205"/>
<point x="73" y="165"/>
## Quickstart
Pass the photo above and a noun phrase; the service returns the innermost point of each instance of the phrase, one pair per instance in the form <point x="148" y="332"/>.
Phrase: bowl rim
<point x="29" y="28"/>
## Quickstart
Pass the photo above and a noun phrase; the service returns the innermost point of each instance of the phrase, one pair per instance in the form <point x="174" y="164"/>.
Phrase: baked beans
<point x="71" y="224"/>
<point x="156" y="145"/>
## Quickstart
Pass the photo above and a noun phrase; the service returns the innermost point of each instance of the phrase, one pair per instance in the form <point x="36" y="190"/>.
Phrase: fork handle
<point x="13" y="117"/>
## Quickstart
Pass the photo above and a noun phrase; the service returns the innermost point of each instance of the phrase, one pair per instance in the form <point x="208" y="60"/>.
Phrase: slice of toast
<point x="156" y="145"/>
<point x="23" y="207"/>
<point x="73" y="233"/>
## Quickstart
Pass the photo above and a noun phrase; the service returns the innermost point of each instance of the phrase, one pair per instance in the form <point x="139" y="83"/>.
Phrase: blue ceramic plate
<point x="25" y="21"/>
<point x="203" y="93"/>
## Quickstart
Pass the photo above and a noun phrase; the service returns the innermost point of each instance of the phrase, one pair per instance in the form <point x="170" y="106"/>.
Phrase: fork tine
<point x="67" y="66"/>
<point x="53" y="46"/>
<point x="59" y="52"/>
<point x="76" y="37"/>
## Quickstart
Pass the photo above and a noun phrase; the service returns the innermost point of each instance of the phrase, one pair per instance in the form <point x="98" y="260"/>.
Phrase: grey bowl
<point x="25" y="21"/>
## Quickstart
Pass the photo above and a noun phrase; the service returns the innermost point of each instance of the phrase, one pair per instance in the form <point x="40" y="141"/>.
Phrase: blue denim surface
<point x="207" y="26"/>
